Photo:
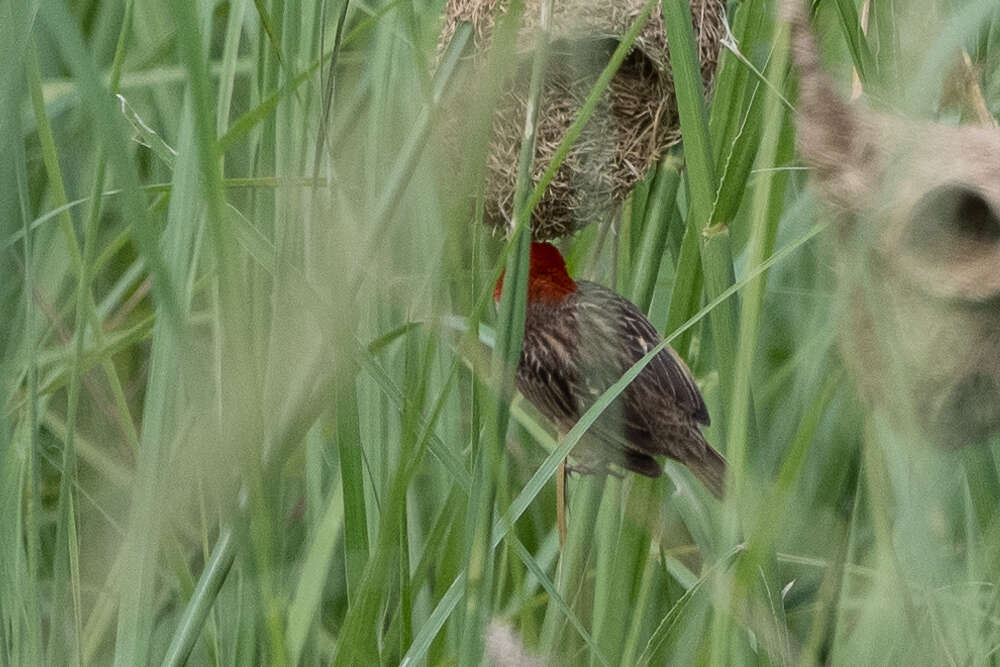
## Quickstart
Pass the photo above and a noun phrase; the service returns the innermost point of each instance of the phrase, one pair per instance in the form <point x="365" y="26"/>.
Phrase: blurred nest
<point x="634" y="124"/>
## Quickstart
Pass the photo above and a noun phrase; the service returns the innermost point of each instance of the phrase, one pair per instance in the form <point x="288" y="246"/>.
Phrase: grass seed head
<point x="918" y="211"/>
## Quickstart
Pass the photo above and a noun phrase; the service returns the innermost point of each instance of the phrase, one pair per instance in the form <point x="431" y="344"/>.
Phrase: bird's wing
<point x="665" y="377"/>
<point x="668" y="370"/>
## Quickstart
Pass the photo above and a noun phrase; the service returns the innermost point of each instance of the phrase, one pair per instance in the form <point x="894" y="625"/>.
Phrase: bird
<point x="579" y="339"/>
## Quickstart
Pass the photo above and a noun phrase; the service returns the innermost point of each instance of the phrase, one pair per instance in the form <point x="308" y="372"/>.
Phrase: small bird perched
<point x="579" y="339"/>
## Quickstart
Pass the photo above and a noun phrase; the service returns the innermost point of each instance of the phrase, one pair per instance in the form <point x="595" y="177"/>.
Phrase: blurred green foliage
<point x="248" y="413"/>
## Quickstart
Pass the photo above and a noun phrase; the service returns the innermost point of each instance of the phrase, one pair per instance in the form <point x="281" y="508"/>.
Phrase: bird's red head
<point x="548" y="279"/>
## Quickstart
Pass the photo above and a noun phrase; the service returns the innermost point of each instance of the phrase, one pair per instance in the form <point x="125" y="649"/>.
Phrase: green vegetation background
<point x="250" y="414"/>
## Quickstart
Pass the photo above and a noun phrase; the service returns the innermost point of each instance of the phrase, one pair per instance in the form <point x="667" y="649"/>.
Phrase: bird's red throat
<point x="548" y="280"/>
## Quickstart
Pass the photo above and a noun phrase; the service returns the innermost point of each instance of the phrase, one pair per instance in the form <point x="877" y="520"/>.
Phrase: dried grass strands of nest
<point x="634" y="123"/>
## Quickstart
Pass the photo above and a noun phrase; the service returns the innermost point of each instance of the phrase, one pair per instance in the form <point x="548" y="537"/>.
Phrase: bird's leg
<point x="561" y="502"/>
<point x="561" y="495"/>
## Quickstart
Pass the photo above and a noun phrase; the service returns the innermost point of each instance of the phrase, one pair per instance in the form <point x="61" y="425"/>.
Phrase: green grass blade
<point x="203" y="597"/>
<point x="316" y="565"/>
<point x="665" y="631"/>
<point x="108" y="122"/>
<point x="762" y="232"/>
<point x="861" y="54"/>
<point x="22" y="466"/>
<point x="659" y="218"/>
<point x="349" y="446"/>
<point x="716" y="254"/>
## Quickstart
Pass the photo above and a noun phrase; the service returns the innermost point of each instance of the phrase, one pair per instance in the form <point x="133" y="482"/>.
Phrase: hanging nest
<point x="635" y="122"/>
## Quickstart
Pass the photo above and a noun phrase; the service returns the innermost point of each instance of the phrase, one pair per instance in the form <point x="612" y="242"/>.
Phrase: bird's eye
<point x="953" y="219"/>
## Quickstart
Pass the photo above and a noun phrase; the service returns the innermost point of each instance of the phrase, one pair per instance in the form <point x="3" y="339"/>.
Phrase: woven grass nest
<point x="634" y="124"/>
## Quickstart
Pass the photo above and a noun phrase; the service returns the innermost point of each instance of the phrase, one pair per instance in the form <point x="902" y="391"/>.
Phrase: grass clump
<point x="247" y="407"/>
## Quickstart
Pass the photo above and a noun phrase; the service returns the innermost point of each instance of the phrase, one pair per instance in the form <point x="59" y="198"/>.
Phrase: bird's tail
<point x="711" y="470"/>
